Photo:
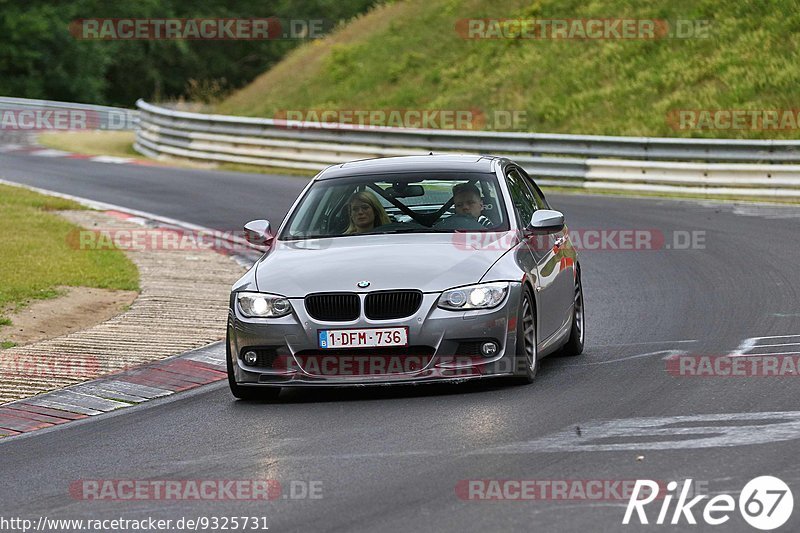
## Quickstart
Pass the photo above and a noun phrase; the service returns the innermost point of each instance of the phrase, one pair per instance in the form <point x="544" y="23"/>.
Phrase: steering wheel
<point x="459" y="221"/>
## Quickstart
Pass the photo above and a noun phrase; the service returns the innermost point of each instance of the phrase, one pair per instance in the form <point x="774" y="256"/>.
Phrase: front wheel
<point x="246" y="393"/>
<point x="574" y="345"/>
<point x="527" y="349"/>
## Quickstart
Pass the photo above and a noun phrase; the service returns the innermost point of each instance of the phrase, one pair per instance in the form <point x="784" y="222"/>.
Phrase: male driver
<point x="467" y="201"/>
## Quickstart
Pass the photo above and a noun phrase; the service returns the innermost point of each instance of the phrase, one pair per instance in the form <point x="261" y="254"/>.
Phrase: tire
<point x="527" y="351"/>
<point x="577" y="333"/>
<point x="246" y="393"/>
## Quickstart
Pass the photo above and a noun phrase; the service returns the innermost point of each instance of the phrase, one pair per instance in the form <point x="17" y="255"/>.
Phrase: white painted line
<point x="783" y="344"/>
<point x="664" y="433"/>
<point x="10" y="147"/>
<point x="779" y="337"/>
<point x="666" y="353"/>
<point x="44" y="401"/>
<point x="769" y="353"/>
<point x="89" y="401"/>
<point x="110" y="159"/>
<point x="745" y="346"/>
<point x="93" y="389"/>
<point x="754" y="354"/>
<point x="752" y="343"/>
<point x="49" y="153"/>
<point x="206" y="359"/>
<point x="134" y="388"/>
<point x="642" y="343"/>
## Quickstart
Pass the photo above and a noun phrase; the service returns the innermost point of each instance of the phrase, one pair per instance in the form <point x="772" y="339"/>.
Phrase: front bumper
<point x="435" y="336"/>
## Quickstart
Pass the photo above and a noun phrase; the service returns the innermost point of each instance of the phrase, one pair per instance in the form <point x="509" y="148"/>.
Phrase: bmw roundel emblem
<point x="363" y="284"/>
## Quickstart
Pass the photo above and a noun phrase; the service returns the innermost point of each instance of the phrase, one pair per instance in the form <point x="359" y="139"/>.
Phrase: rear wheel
<point x="527" y="349"/>
<point x="574" y="345"/>
<point x="246" y="393"/>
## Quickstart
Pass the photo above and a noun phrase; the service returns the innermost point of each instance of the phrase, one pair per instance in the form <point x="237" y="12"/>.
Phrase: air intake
<point x="333" y="307"/>
<point x="388" y="305"/>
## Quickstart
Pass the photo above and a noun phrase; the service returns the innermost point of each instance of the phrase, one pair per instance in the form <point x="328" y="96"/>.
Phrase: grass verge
<point x="37" y="256"/>
<point x="116" y="143"/>
<point x="120" y="144"/>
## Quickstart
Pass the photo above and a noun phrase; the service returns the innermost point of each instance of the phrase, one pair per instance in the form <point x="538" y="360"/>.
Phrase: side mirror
<point x="257" y="232"/>
<point x="546" y="221"/>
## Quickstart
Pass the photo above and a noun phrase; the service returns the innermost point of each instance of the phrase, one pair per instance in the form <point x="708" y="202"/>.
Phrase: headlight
<point x="484" y="296"/>
<point x="259" y="305"/>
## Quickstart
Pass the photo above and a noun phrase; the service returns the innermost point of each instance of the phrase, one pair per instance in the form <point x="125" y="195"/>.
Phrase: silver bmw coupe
<point x="406" y="270"/>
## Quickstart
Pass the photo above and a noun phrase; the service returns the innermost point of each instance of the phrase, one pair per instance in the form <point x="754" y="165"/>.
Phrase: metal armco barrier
<point x="23" y="114"/>
<point x="759" y="168"/>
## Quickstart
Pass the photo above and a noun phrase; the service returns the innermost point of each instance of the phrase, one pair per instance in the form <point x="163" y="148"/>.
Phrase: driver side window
<point x="524" y="201"/>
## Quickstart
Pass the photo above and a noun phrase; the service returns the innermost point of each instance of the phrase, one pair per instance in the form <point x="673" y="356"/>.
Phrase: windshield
<point x="401" y="203"/>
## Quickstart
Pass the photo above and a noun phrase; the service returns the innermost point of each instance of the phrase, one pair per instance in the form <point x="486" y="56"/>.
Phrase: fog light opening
<point x="488" y="349"/>
<point x="250" y="357"/>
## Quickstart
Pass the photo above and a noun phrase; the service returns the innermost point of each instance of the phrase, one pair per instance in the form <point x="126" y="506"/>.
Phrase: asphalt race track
<point x="392" y="459"/>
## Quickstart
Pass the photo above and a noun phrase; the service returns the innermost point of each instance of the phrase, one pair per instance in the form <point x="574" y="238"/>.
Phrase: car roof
<point x="411" y="163"/>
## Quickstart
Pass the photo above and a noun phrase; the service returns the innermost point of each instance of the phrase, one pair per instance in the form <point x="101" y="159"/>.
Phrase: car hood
<point x="430" y="263"/>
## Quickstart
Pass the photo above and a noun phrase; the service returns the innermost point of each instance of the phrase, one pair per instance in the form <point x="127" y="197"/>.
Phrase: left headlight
<point x="483" y="296"/>
<point x="261" y="305"/>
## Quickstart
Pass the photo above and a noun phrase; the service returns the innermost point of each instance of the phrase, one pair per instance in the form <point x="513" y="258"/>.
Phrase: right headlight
<point x="262" y="305"/>
<point x="483" y="296"/>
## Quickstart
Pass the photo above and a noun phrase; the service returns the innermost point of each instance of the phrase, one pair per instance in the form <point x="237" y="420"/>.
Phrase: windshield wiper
<point x="306" y="237"/>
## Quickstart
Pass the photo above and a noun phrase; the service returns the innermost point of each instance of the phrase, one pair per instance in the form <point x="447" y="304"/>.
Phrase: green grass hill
<point x="410" y="55"/>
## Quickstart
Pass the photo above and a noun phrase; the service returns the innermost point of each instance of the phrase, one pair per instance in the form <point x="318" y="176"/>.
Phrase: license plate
<point x="363" y="338"/>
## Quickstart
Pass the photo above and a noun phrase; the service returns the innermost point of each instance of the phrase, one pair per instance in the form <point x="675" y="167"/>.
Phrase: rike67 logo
<point x="765" y="503"/>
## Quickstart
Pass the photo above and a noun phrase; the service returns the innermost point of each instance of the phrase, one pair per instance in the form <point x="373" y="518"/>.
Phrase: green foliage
<point x="40" y="58"/>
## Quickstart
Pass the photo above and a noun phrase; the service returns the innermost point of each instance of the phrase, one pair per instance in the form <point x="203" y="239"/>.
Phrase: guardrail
<point x="759" y="168"/>
<point x="24" y="114"/>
